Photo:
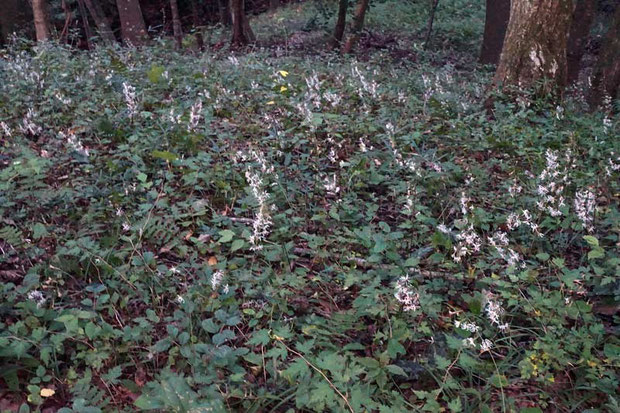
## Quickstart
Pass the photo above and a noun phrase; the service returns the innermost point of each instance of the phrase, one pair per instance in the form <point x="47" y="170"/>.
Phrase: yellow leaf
<point x="283" y="88"/>
<point x="284" y="73"/>
<point x="47" y="392"/>
<point x="271" y="102"/>
<point x="212" y="260"/>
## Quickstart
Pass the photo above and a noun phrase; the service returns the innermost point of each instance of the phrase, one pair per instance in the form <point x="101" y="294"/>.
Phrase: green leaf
<point x="223" y="337"/>
<point x="260" y="337"/>
<point x="498" y="380"/>
<point x="236" y="245"/>
<point x="455" y="405"/>
<point x="597" y="252"/>
<point x="39" y="231"/>
<point x="394" y="369"/>
<point x="592" y="241"/>
<point x="226" y="236"/>
<point x="612" y="351"/>
<point x="155" y="73"/>
<point x="165" y="155"/>
<point x="394" y="348"/>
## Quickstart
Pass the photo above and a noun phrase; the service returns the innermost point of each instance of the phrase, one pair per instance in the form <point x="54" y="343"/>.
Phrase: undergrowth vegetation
<point x="269" y="231"/>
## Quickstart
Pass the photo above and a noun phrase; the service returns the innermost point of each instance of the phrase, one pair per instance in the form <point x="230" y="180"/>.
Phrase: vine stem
<point x="346" y="401"/>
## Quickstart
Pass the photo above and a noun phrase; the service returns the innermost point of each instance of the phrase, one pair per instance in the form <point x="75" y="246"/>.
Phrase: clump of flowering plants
<point x="256" y="233"/>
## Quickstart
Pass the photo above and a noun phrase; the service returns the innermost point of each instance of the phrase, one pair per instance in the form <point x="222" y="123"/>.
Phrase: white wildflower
<point x="6" y="130"/>
<point x="493" y="309"/>
<point x="469" y="342"/>
<point x="38" y="297"/>
<point x="216" y="279"/>
<point x="28" y="126"/>
<point x="330" y="183"/>
<point x="471" y="327"/>
<point x="195" y="115"/>
<point x="486" y="345"/>
<point x="130" y="99"/>
<point x="74" y="143"/>
<point x="405" y="295"/>
<point x="585" y="203"/>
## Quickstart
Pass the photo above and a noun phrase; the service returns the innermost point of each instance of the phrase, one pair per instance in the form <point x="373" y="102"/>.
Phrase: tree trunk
<point x="68" y="17"/>
<point x="132" y="21"/>
<point x="41" y="22"/>
<point x="343" y="5"/>
<point x="495" y="23"/>
<point x="431" y="19"/>
<point x="101" y="21"/>
<point x="358" y="25"/>
<point x="87" y="32"/>
<point x="225" y="14"/>
<point x="242" y="32"/>
<point x="606" y="79"/>
<point x="196" y="23"/>
<point x="577" y="37"/>
<point x="535" y="45"/>
<point x="274" y="4"/>
<point x="176" y="24"/>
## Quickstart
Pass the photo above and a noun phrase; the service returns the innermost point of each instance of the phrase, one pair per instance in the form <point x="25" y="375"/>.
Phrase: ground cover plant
<point x="275" y="230"/>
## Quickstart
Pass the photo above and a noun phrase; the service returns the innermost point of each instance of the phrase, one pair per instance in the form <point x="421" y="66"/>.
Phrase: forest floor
<point x="285" y="229"/>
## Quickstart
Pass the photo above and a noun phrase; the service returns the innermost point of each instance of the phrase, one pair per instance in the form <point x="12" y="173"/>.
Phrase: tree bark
<point x="41" y="21"/>
<point x="341" y="22"/>
<point x="578" y="36"/>
<point x="535" y="45"/>
<point x="358" y="25"/>
<point x="274" y="4"/>
<point x="606" y="78"/>
<point x="241" y="31"/>
<point x="431" y="19"/>
<point x="68" y="17"/>
<point x="132" y="22"/>
<point x="87" y="32"/>
<point x="495" y="23"/>
<point x="225" y="14"/>
<point x="176" y="24"/>
<point x="196" y="23"/>
<point x="100" y="19"/>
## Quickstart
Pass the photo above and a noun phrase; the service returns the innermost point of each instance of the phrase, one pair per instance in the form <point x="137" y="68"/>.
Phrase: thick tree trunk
<point x="535" y="45"/>
<point x="495" y="23"/>
<point x="242" y="32"/>
<point x="358" y="25"/>
<point x="577" y="37"/>
<point x="196" y="23"/>
<point x="225" y="13"/>
<point x="343" y="5"/>
<point x="176" y="24"/>
<point x="41" y="22"/>
<point x="606" y="79"/>
<point x="132" y="21"/>
<point x="100" y="19"/>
